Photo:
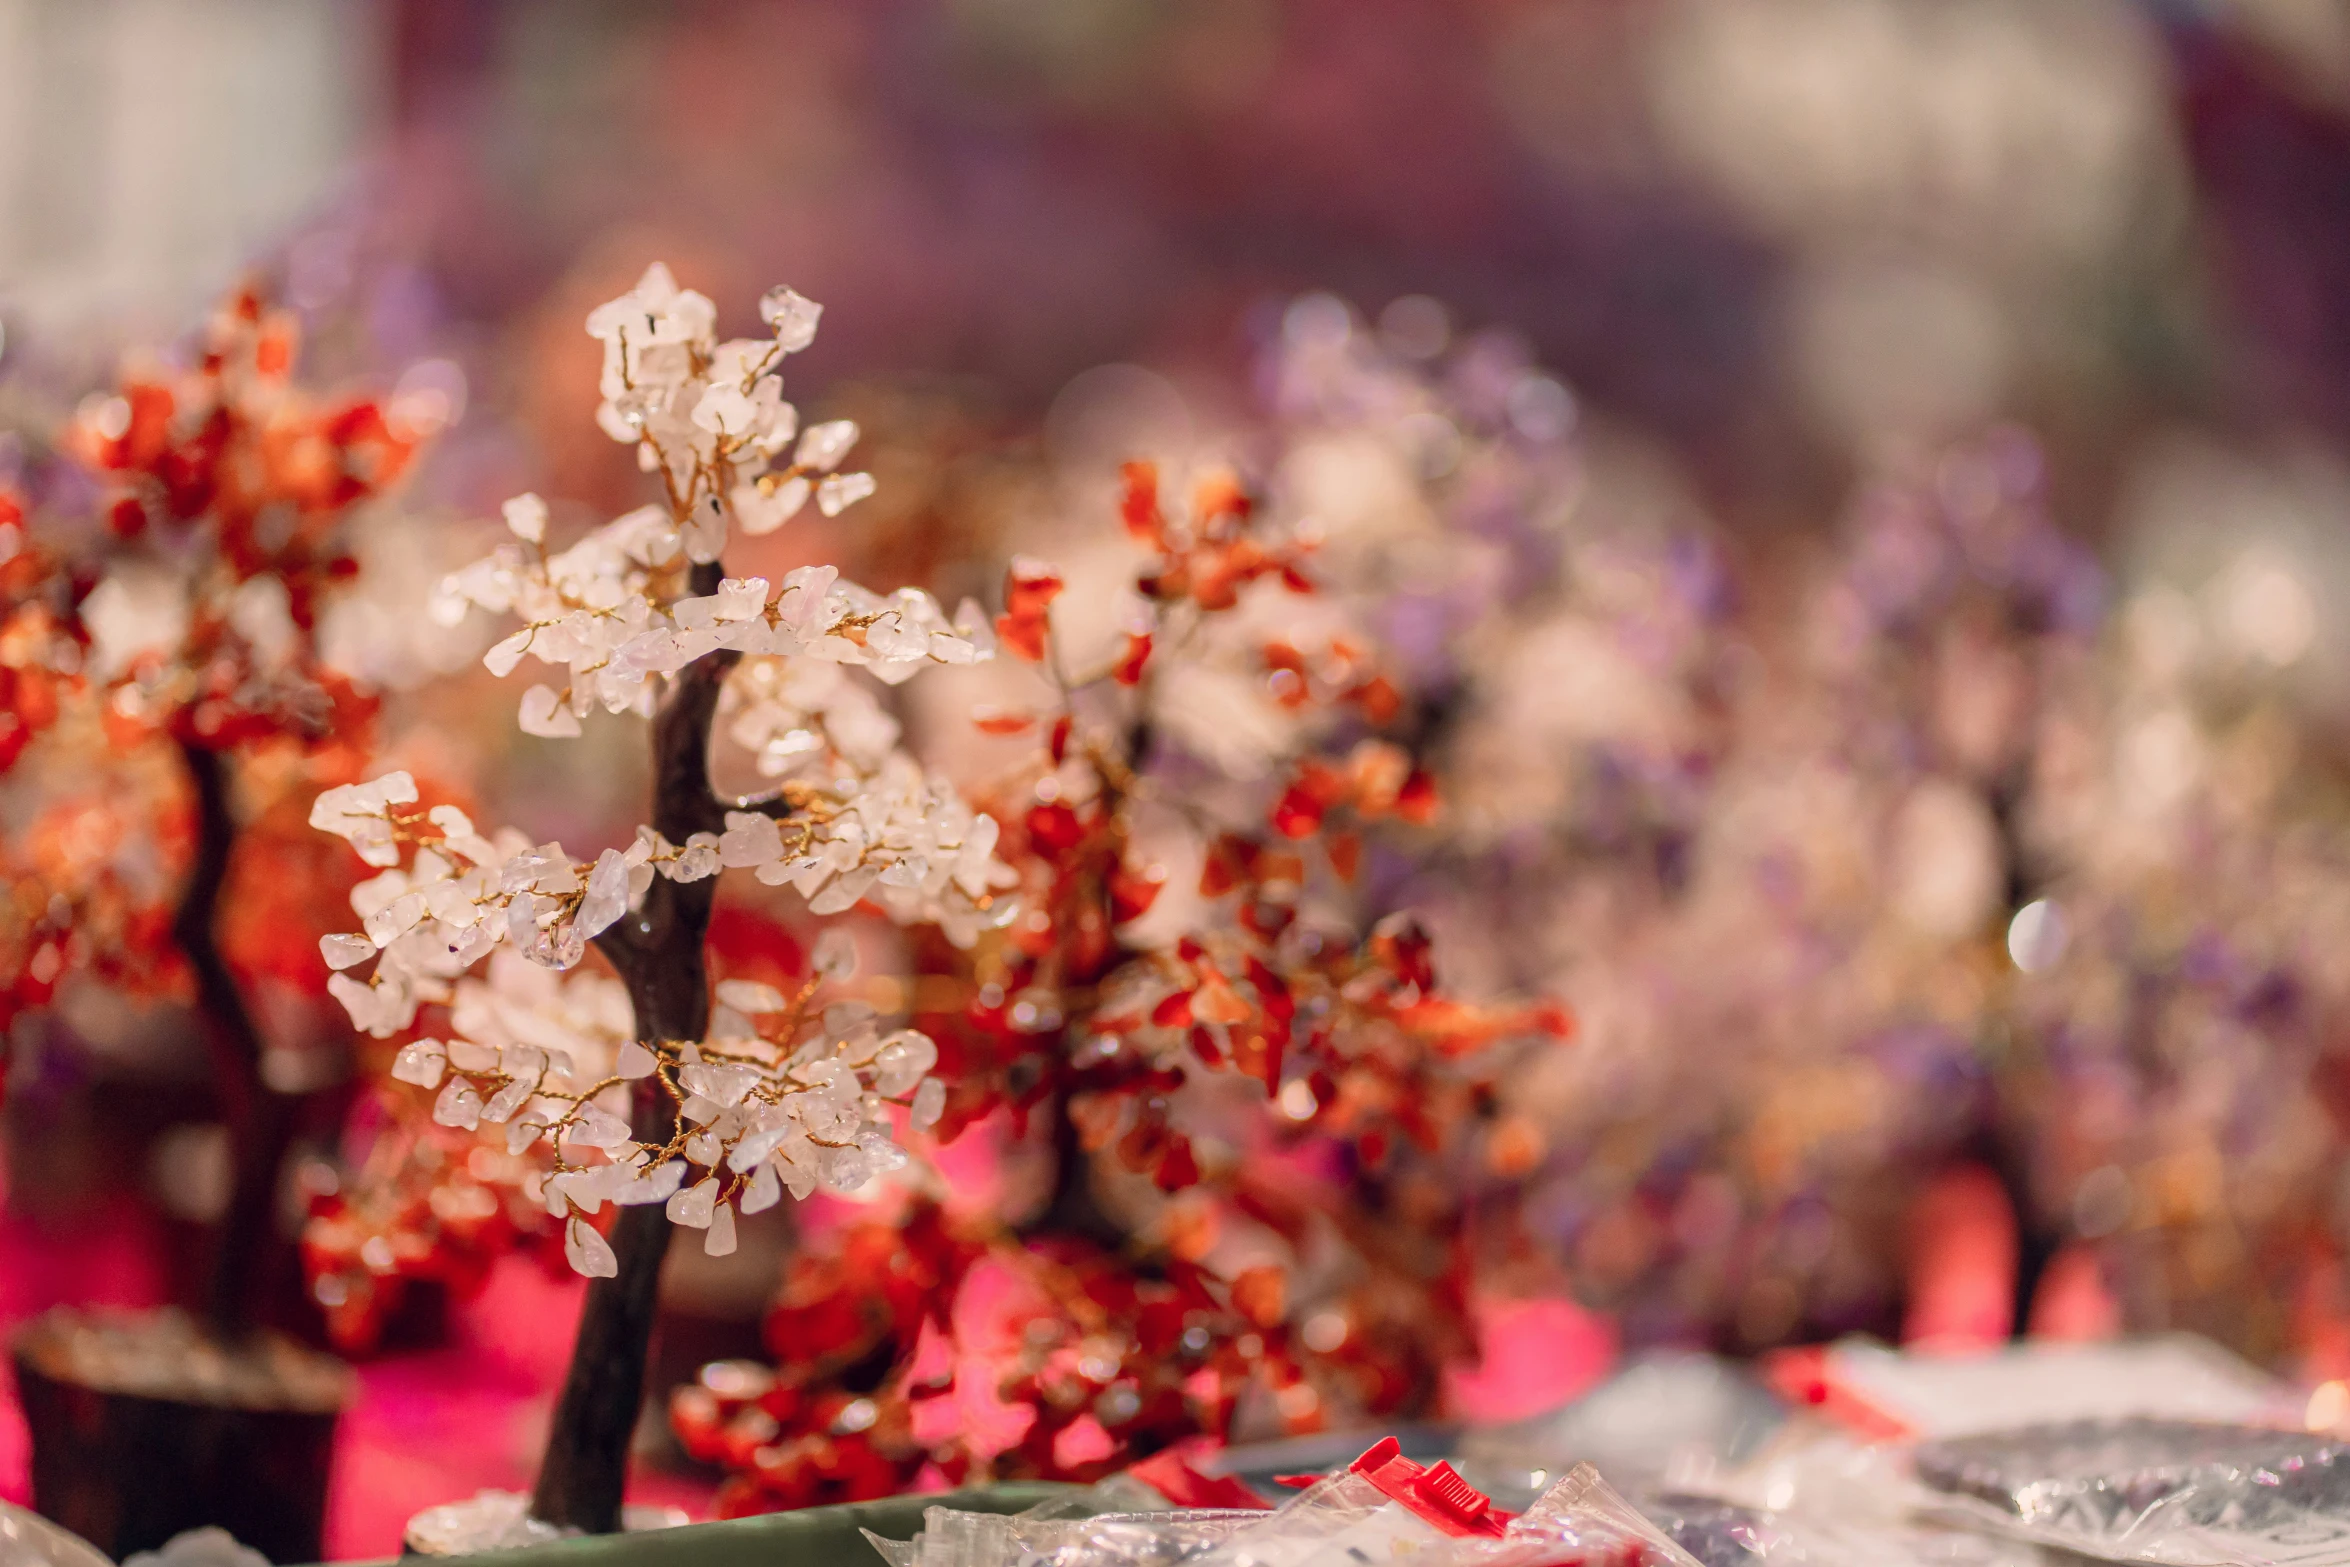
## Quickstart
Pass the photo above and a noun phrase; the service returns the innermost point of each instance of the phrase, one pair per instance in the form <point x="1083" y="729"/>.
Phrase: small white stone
<point x="793" y="315"/>
<point x="840" y="491"/>
<point x="694" y="1206"/>
<point x="526" y="515"/>
<point x="750" y="997"/>
<point x="836" y="954"/>
<point x="764" y="1189"/>
<point x="596" y="1127"/>
<point x="458" y="1106"/>
<point x="822" y="446"/>
<point x="501" y="658"/>
<point x="545" y="714"/>
<point x="490" y="1521"/>
<point x="345" y="951"/>
<point x="589" y="1254"/>
<point x="421" y="1063"/>
<point x="506" y="1101"/>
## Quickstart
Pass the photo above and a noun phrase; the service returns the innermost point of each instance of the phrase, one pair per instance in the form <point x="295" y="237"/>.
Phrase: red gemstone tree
<point x="183" y="627"/>
<point x="1263" y="1124"/>
<point x="168" y="713"/>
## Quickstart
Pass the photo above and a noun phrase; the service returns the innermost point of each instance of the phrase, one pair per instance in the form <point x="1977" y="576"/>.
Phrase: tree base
<point x="142" y="1429"/>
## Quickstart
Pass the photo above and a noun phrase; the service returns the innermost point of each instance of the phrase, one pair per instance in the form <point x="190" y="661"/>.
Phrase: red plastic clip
<point x="1437" y="1496"/>
<point x="1469" y="1509"/>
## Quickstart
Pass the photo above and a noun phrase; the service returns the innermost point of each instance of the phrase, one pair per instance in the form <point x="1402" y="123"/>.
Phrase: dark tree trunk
<point x="1074" y="1210"/>
<point x="657" y="950"/>
<point x="1999" y="1145"/>
<point x="248" y="1251"/>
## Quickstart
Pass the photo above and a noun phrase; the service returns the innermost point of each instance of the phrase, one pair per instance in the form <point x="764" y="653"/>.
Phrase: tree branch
<point x="261" y="1120"/>
<point x="1074" y="1210"/>
<point x="657" y="950"/>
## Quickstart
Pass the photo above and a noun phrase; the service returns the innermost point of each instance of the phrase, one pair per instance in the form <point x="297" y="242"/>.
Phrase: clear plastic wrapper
<point x="1385" y="1508"/>
<point x="1719" y="1533"/>
<point x="1127" y="1518"/>
<point x="2173" y="1491"/>
<point x="1816" y="1496"/>
<point x="1382" y="1509"/>
<point x="1045" y="1536"/>
<point x="1730" y="1534"/>
<point x="29" y="1540"/>
<point x="2135" y="1468"/>
<point x="1581" y="1520"/>
<point x="1340" y="1521"/>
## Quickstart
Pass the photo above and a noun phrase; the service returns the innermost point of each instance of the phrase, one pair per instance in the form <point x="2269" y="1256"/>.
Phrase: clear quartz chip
<point x="792" y="315"/>
<point x="720" y="1240"/>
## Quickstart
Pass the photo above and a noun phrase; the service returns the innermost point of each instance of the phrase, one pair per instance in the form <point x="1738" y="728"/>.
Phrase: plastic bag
<point x="2152" y="1490"/>
<point x="1719" y="1533"/>
<point x="1345" y="1519"/>
<point x="29" y="1540"/>
<point x="1817" y="1497"/>
<point x="1729" y="1534"/>
<point x="1582" y="1520"/>
<point x="1382" y="1509"/>
<point x="1385" y="1508"/>
<point x="1048" y="1535"/>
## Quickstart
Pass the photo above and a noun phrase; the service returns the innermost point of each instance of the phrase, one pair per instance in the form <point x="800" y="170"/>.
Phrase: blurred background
<point x="1920" y="757"/>
<point x="1772" y="239"/>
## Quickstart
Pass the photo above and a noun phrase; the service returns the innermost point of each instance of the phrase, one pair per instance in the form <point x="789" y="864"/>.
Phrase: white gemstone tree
<point x="655" y="1103"/>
